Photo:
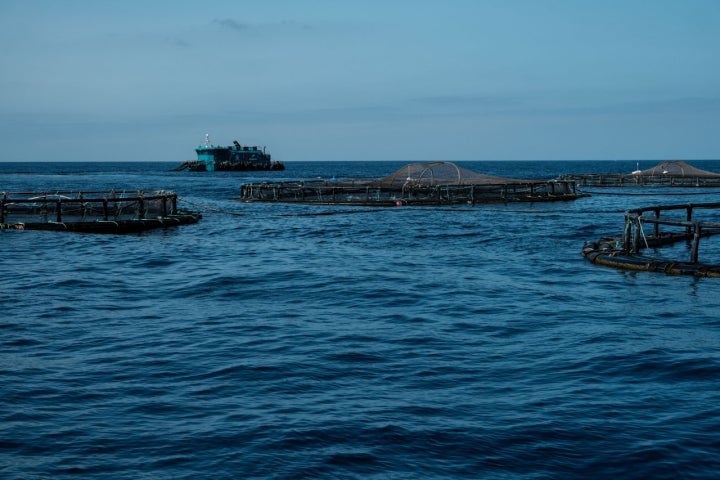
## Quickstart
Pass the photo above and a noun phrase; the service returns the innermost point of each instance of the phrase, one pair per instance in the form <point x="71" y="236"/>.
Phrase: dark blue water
<point x="289" y="341"/>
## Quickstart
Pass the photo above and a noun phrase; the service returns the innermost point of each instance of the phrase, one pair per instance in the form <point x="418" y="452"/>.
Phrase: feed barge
<point x="236" y="157"/>
<point x="656" y="227"/>
<point x="93" y="212"/>
<point x="431" y="183"/>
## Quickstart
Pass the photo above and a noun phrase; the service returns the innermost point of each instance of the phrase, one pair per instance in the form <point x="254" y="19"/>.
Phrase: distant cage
<point x="435" y="183"/>
<point x="672" y="173"/>
<point x="628" y="180"/>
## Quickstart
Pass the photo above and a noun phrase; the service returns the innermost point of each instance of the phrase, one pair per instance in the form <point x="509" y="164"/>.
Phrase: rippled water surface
<point x="290" y="341"/>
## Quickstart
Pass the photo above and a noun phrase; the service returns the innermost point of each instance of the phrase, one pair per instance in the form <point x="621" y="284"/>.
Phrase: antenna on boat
<point x="207" y="139"/>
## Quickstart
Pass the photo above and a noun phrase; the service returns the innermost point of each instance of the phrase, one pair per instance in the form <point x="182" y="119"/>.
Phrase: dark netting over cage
<point x="677" y="168"/>
<point x="439" y="173"/>
<point x="671" y="173"/>
<point x="435" y="183"/>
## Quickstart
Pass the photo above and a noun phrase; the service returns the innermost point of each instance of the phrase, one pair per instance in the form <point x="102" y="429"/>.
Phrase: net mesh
<point x="438" y="173"/>
<point x="433" y="183"/>
<point x="678" y="168"/>
<point x="40" y="207"/>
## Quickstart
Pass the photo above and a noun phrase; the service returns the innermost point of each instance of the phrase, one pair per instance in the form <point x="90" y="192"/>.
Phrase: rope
<point x="209" y="208"/>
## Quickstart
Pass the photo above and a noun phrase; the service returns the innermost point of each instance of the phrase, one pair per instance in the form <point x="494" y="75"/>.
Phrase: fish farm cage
<point x="92" y="212"/>
<point x="661" y="226"/>
<point x="674" y="173"/>
<point x="435" y="183"/>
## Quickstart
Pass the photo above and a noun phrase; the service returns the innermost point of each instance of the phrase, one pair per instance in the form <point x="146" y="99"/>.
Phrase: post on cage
<point x="697" y="234"/>
<point x="3" y="208"/>
<point x="656" y="230"/>
<point x="627" y="232"/>
<point x="638" y="233"/>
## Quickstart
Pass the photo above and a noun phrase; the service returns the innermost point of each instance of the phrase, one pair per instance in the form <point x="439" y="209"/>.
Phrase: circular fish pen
<point x="673" y="173"/>
<point x="434" y="183"/>
<point x="92" y="212"/>
<point x="663" y="228"/>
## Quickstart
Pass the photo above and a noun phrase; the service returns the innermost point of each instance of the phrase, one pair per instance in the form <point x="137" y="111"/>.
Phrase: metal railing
<point x="365" y="193"/>
<point x="635" y="237"/>
<point x="84" y="206"/>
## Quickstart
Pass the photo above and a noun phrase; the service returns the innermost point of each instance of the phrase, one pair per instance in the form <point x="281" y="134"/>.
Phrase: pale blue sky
<point x="93" y="80"/>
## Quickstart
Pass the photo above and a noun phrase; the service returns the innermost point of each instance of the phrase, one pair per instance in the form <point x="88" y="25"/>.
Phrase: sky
<point x="104" y="80"/>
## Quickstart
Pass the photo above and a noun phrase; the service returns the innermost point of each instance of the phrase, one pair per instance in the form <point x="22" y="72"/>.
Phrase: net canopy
<point x="439" y="173"/>
<point x="677" y="168"/>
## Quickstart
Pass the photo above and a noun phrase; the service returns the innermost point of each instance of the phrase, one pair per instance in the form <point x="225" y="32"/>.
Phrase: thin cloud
<point x="231" y="24"/>
<point x="685" y="105"/>
<point x="178" y="42"/>
<point x="554" y="105"/>
<point x="500" y="101"/>
<point x="236" y="26"/>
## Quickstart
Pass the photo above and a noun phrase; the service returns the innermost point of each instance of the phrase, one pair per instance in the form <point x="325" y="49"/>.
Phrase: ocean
<point x="275" y="341"/>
